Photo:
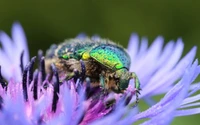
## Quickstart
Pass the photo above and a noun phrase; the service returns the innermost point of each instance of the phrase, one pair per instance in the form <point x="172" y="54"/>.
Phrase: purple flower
<point x="33" y="97"/>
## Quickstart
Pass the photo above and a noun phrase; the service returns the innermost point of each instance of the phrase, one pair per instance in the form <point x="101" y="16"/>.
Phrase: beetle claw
<point x="138" y="91"/>
<point x="135" y="92"/>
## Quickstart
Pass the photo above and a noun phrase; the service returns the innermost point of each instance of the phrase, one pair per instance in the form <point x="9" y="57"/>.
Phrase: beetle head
<point x="124" y="77"/>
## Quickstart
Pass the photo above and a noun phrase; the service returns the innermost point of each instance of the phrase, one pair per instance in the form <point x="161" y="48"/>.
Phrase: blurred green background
<point x="48" y="22"/>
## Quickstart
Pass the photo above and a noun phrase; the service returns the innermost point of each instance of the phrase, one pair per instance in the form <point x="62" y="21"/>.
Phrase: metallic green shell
<point x="78" y="46"/>
<point x="74" y="46"/>
<point x="111" y="56"/>
<point x="103" y="51"/>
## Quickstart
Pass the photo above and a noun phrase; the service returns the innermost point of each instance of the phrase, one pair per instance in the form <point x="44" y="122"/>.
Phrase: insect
<point x="104" y="62"/>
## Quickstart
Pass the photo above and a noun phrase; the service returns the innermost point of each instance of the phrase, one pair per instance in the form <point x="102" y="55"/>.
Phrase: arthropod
<point x="104" y="62"/>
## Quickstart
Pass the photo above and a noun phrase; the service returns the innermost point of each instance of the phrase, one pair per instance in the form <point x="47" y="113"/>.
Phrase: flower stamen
<point x="35" y="85"/>
<point x="24" y="82"/>
<point x="41" y="64"/>
<point x="30" y="70"/>
<point x="2" y="81"/>
<point x="21" y="61"/>
<point x="55" y="87"/>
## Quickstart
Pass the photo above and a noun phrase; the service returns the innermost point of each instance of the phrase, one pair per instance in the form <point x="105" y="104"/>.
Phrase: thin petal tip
<point x="16" y="24"/>
<point x="134" y="36"/>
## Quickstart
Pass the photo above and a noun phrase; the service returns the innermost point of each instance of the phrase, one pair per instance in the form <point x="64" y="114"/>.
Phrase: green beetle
<point x="105" y="62"/>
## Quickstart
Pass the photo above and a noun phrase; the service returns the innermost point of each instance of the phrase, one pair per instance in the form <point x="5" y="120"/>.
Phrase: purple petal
<point x="187" y="112"/>
<point x="194" y="88"/>
<point x="190" y="105"/>
<point x="139" y="57"/>
<point x="191" y="99"/>
<point x="173" y="98"/>
<point x="95" y="37"/>
<point x="7" y="44"/>
<point x="81" y="36"/>
<point x="20" y="41"/>
<point x="171" y="77"/>
<point x="133" y="46"/>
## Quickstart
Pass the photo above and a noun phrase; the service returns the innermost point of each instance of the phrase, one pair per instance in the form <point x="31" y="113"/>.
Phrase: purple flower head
<point x="33" y="97"/>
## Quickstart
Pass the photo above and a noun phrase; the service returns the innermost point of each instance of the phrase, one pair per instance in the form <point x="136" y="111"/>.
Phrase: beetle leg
<point x="102" y="81"/>
<point x="137" y="86"/>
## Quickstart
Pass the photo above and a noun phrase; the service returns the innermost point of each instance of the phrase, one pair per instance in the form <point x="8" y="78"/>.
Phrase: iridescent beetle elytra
<point x="105" y="63"/>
